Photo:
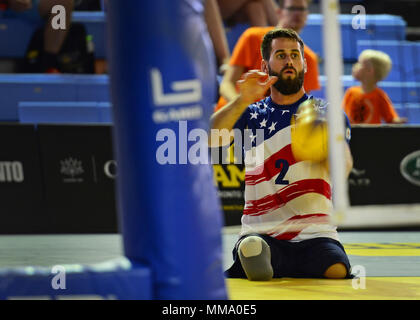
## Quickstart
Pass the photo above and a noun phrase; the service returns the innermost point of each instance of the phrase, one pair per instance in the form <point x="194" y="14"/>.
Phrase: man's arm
<point x="225" y="119"/>
<point x="253" y="87"/>
<point x="242" y="59"/>
<point x="217" y="33"/>
<point x="227" y="87"/>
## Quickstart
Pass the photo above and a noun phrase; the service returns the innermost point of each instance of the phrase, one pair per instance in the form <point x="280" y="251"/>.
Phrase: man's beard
<point x="287" y="86"/>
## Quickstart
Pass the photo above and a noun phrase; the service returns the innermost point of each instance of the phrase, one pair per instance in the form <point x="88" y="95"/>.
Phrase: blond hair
<point x="380" y="61"/>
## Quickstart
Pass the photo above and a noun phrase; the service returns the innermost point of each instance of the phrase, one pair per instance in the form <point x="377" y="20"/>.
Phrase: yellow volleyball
<point x="309" y="133"/>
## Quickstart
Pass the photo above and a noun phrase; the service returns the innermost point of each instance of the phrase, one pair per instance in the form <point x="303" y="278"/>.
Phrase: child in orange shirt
<point x="367" y="103"/>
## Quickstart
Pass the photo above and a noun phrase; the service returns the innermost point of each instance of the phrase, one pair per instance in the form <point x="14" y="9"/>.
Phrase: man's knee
<point x="251" y="246"/>
<point x="255" y="256"/>
<point x="336" y="271"/>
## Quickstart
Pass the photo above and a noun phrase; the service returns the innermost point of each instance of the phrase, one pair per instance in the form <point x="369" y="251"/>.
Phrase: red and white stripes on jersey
<point x="284" y="198"/>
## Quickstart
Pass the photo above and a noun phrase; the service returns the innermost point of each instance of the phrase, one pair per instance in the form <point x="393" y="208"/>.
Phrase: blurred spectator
<point x="37" y="11"/>
<point x="217" y="33"/>
<point x="246" y="55"/>
<point x="256" y="13"/>
<point x="367" y="103"/>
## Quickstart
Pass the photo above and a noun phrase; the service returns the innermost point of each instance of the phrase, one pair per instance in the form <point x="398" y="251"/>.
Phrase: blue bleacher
<point x="411" y="111"/>
<point x="16" y="88"/>
<point x="233" y="34"/>
<point x="38" y="97"/>
<point x="405" y="56"/>
<point x="65" y="112"/>
<point x="13" y="46"/>
<point x="81" y="91"/>
<point x="384" y="27"/>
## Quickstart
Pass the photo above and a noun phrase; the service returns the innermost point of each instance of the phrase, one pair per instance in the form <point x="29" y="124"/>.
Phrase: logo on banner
<point x="183" y="92"/>
<point x="110" y="169"/>
<point x="72" y="168"/>
<point x="11" y="171"/>
<point x="410" y="167"/>
<point x="358" y="178"/>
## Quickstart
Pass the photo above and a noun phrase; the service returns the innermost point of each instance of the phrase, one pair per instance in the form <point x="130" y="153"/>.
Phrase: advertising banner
<point x="20" y="181"/>
<point x="79" y="174"/>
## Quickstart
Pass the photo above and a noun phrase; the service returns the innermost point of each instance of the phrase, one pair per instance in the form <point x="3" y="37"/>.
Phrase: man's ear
<point x="305" y="66"/>
<point x="264" y="66"/>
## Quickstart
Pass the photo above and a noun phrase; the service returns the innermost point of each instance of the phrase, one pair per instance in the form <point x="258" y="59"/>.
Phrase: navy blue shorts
<point x="304" y="259"/>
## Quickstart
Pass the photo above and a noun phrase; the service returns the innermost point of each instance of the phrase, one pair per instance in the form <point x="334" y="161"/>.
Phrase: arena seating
<point x="405" y="56"/>
<point x="16" y="88"/>
<point x="383" y="32"/>
<point x="15" y="34"/>
<point x="40" y="98"/>
<point x="384" y="27"/>
<point x="65" y="112"/>
<point x="377" y="27"/>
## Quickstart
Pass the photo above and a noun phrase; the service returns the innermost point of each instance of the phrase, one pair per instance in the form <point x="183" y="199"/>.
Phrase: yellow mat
<point x="368" y="288"/>
<point x="383" y="249"/>
<point x="375" y="288"/>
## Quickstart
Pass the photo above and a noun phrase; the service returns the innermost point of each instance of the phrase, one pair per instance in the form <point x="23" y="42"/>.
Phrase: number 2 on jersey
<point x="284" y="165"/>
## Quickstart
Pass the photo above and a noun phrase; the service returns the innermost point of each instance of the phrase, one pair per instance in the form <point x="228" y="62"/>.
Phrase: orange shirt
<point x="247" y="54"/>
<point x="369" y="107"/>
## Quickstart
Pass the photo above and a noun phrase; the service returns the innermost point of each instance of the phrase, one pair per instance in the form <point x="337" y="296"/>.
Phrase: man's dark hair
<point x="278" y="33"/>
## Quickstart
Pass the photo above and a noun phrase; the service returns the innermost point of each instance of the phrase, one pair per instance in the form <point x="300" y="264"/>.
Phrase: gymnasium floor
<point x="391" y="261"/>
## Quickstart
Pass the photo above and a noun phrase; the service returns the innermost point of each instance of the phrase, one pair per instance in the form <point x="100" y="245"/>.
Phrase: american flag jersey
<point x="284" y="198"/>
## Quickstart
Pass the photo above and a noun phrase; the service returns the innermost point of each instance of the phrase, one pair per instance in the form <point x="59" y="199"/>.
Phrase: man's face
<point x="294" y="14"/>
<point x="288" y="64"/>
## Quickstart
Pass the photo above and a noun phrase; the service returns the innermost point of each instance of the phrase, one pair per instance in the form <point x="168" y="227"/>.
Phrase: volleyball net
<point x="383" y="189"/>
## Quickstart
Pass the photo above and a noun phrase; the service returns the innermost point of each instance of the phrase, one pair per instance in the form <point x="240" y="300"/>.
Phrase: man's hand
<point x="254" y="85"/>
<point x="20" y="5"/>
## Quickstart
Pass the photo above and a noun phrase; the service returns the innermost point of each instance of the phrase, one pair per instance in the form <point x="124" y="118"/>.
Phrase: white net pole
<point x="333" y="72"/>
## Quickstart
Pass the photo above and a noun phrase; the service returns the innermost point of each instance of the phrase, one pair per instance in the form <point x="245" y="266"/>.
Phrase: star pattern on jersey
<point x="272" y="127"/>
<point x="263" y="123"/>
<point x="265" y="119"/>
